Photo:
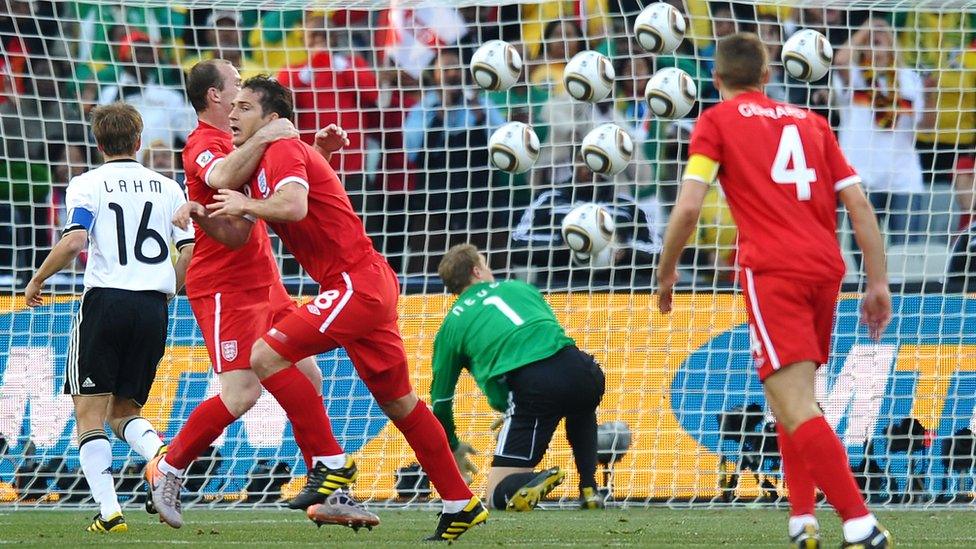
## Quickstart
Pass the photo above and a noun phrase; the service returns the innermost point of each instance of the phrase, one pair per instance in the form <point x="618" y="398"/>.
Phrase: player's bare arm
<point x="182" y="262"/>
<point x="237" y="167"/>
<point x="230" y="231"/>
<point x="63" y="253"/>
<point x="684" y="219"/>
<point x="288" y="204"/>
<point x="876" y="303"/>
<point x="329" y="140"/>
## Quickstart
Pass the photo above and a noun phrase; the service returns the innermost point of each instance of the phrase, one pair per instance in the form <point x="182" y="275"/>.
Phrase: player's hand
<point x="665" y="289"/>
<point x="278" y="129"/>
<point x="331" y="138"/>
<point x="186" y="212"/>
<point x="876" y="310"/>
<point x="228" y="202"/>
<point x="464" y="464"/>
<point x="33" y="293"/>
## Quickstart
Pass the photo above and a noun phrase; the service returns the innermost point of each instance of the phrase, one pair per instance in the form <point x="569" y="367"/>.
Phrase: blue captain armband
<point x="79" y="218"/>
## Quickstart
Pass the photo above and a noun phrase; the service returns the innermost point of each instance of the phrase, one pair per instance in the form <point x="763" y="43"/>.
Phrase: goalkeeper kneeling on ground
<point x="506" y="335"/>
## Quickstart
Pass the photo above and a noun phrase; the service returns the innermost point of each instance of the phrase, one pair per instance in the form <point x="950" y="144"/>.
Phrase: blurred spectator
<point x="336" y="86"/>
<point x="562" y="121"/>
<point x="279" y="39"/>
<point x="446" y="139"/>
<point x="715" y="239"/>
<point x="222" y="40"/>
<point x="880" y="103"/>
<point x="486" y="23"/>
<point x="695" y="62"/>
<point x="26" y="29"/>
<point x="630" y="111"/>
<point x="36" y="129"/>
<point x="161" y="158"/>
<point x="537" y="238"/>
<point x="537" y="19"/>
<point x="771" y="33"/>
<point x="966" y="191"/>
<point x="166" y="115"/>
<point x="409" y="38"/>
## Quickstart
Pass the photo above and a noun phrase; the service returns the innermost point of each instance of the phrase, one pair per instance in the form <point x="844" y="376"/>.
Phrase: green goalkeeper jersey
<point x="492" y="328"/>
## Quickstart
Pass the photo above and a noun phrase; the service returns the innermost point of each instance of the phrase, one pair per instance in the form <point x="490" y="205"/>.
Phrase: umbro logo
<point x="88" y="383"/>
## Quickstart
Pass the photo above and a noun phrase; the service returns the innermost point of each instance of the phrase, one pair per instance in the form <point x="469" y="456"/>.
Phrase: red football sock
<point x="826" y="460"/>
<point x="204" y="425"/>
<point x="305" y="410"/>
<point x="798" y="479"/>
<point x="427" y="438"/>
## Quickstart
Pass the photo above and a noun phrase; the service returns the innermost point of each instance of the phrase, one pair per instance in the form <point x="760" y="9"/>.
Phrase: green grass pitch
<point x="656" y="527"/>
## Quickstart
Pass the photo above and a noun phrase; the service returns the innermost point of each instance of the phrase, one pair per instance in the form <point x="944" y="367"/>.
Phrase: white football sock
<point x="142" y="437"/>
<point x="95" y="453"/>
<point x="337" y="461"/>
<point x="455" y="505"/>
<point x="168" y="469"/>
<point x="859" y="528"/>
<point x="799" y="522"/>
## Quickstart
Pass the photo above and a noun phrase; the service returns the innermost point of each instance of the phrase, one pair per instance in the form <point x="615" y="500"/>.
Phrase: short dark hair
<point x="275" y="98"/>
<point x="203" y="76"/>
<point x="117" y="128"/>
<point x="456" y="267"/>
<point x="740" y="60"/>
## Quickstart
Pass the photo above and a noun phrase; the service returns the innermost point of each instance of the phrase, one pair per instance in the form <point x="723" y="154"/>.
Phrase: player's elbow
<point x="686" y="213"/>
<point x="295" y="211"/>
<point x="75" y="242"/>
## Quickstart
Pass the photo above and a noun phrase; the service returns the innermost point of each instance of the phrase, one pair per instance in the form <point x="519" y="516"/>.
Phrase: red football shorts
<point x="789" y="321"/>
<point x="232" y="321"/>
<point x="358" y="312"/>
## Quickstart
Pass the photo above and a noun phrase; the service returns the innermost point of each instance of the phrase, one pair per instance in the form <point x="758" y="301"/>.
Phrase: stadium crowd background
<point x="417" y="167"/>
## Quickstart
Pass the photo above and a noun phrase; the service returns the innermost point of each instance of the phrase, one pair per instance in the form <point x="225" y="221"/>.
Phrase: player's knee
<point x="311" y="370"/>
<point x="264" y="360"/>
<point x="240" y="399"/>
<point x="400" y="408"/>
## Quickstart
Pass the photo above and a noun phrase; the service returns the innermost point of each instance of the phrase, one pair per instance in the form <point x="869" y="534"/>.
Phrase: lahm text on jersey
<point x="136" y="186"/>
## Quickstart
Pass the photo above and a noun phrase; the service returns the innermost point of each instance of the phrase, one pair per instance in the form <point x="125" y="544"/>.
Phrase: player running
<point x="507" y="336"/>
<point x="783" y="184"/>
<point x="235" y="294"/>
<point x="121" y="212"/>
<point x="302" y="199"/>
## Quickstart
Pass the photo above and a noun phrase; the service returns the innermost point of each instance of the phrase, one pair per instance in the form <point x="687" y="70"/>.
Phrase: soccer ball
<point x="660" y="28"/>
<point x="589" y="76"/>
<point x="807" y="55"/>
<point x="599" y="260"/>
<point x="613" y="439"/>
<point x="513" y="147"/>
<point x="671" y="93"/>
<point x="607" y="149"/>
<point x="588" y="228"/>
<point x="496" y="65"/>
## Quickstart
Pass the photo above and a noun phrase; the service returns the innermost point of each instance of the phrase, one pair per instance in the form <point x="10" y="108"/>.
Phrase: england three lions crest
<point x="228" y="350"/>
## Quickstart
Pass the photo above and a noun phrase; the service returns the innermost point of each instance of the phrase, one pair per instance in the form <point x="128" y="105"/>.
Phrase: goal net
<point x="683" y="418"/>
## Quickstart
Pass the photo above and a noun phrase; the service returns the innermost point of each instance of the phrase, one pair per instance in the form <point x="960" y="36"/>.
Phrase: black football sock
<point x="581" y="434"/>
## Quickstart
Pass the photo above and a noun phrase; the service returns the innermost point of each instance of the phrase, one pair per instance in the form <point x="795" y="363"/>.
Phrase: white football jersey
<point x="127" y="210"/>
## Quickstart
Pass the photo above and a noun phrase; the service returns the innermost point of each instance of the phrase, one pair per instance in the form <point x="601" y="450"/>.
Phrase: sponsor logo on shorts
<point x="204" y="158"/>
<point x="228" y="349"/>
<point x="313" y="309"/>
<point x="88" y="384"/>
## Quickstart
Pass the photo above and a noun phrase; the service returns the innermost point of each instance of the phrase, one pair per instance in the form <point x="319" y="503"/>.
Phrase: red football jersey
<point x="331" y="238"/>
<point x="215" y="267"/>
<point x="781" y="169"/>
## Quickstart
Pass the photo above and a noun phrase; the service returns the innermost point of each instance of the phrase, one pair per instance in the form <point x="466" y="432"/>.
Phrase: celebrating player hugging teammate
<point x="299" y="195"/>
<point x="506" y="335"/>
<point x="121" y="212"/>
<point x="783" y="184"/>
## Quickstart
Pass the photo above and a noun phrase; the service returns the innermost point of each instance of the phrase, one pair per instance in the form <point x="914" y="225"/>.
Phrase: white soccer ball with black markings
<point x="496" y="65"/>
<point x="607" y="149"/>
<point x="513" y="147"/>
<point x="671" y="93"/>
<point x="600" y="260"/>
<point x="807" y="55"/>
<point x="660" y="28"/>
<point x="589" y="76"/>
<point x="588" y="228"/>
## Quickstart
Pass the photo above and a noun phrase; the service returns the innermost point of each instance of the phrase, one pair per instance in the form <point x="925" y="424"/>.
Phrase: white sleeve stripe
<point x="847" y="182"/>
<point x="292" y="179"/>
<point x="696" y="178"/>
<point x="206" y="174"/>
